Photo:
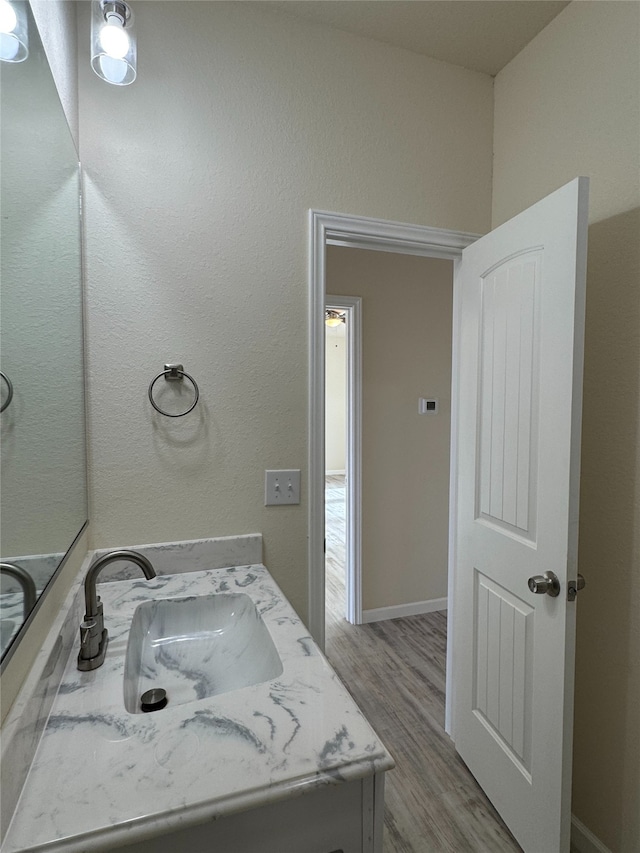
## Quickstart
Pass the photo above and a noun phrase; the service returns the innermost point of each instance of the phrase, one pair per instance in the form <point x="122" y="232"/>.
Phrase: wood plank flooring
<point x="395" y="670"/>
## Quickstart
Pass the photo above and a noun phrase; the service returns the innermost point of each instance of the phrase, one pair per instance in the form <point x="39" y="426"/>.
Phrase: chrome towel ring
<point x="9" y="391"/>
<point x="173" y="373"/>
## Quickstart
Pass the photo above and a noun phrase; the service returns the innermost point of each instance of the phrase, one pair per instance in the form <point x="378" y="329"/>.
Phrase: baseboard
<point x="397" y="611"/>
<point x="583" y="840"/>
<point x="335" y="473"/>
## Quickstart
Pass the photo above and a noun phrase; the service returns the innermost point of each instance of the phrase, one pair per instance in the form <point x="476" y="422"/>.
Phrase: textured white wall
<point x="56" y="20"/>
<point x="407" y="305"/>
<point x="335" y="398"/>
<point x="43" y="467"/>
<point x="569" y="105"/>
<point x="199" y="178"/>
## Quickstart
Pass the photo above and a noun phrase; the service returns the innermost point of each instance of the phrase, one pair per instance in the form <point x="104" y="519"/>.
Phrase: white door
<point x="520" y="394"/>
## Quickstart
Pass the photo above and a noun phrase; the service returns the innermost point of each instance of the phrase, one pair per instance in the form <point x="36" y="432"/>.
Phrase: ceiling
<point x="483" y="35"/>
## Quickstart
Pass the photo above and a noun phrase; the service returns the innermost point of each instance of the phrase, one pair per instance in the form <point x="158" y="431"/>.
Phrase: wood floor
<point x="395" y="670"/>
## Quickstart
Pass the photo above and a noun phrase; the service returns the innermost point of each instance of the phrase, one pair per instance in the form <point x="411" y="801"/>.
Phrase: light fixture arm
<point x="115" y="9"/>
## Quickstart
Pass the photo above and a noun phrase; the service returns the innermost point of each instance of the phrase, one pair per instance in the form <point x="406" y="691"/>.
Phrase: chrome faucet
<point x="93" y="635"/>
<point x="29" y="592"/>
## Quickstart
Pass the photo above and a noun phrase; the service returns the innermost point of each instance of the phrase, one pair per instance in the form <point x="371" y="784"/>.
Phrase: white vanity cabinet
<point x="342" y="818"/>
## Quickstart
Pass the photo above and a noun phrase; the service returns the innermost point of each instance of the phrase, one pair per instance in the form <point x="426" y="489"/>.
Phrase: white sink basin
<point x="196" y="647"/>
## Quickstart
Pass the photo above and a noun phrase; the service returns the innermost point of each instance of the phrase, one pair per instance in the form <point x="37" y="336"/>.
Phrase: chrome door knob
<point x="547" y="584"/>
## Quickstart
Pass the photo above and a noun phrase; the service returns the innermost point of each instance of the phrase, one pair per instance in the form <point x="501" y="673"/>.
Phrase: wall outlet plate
<point x="281" y="487"/>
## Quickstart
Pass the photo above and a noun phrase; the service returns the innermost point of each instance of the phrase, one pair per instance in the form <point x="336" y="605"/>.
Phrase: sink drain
<point x="153" y="700"/>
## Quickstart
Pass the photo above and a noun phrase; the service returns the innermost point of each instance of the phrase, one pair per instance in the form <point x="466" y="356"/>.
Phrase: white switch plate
<point x="281" y="487"/>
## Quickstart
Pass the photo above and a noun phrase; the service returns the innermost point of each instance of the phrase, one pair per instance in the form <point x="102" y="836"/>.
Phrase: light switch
<point x="281" y="487"/>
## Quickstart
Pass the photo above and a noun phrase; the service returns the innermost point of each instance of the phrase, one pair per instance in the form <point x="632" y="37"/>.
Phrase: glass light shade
<point x="14" y="35"/>
<point x="113" y="44"/>
<point x="333" y="322"/>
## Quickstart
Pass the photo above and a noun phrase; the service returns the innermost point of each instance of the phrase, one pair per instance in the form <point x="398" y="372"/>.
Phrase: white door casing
<point x="522" y="290"/>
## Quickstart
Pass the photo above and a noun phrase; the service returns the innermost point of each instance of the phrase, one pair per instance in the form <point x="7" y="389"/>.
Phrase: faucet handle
<point x="85" y="630"/>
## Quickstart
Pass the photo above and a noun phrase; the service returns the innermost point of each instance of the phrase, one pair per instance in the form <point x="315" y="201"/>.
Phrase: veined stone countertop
<point x="103" y="777"/>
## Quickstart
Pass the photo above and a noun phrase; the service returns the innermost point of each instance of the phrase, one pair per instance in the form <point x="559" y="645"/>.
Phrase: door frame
<point x="336" y="229"/>
<point x="352" y="306"/>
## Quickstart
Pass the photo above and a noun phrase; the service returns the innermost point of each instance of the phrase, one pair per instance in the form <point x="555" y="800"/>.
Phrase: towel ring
<point x="9" y="391"/>
<point x="173" y="372"/>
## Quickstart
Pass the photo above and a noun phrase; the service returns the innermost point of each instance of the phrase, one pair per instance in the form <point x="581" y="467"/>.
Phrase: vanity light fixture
<point x="333" y="319"/>
<point x="14" y="34"/>
<point x="113" y="43"/>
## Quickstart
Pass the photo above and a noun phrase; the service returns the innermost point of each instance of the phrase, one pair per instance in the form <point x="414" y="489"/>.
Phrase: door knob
<point x="574" y="587"/>
<point x="547" y="583"/>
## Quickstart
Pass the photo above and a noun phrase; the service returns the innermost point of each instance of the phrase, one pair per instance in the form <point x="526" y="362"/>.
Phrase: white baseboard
<point x="397" y="611"/>
<point x="332" y="473"/>
<point x="583" y="840"/>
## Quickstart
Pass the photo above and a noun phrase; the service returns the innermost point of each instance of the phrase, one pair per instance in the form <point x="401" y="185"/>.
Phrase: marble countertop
<point x="102" y="777"/>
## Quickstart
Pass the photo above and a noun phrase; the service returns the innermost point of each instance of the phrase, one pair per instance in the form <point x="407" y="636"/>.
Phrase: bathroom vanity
<point x="266" y="752"/>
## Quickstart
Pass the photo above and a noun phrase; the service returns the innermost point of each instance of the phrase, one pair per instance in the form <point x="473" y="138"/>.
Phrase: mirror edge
<point x="8" y="655"/>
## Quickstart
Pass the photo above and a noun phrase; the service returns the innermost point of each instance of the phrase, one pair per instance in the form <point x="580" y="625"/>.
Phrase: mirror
<point x="42" y="427"/>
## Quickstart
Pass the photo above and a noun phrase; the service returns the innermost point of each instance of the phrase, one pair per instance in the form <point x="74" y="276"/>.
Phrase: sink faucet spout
<point x="90" y="582"/>
<point x="25" y="580"/>
<point x="93" y="635"/>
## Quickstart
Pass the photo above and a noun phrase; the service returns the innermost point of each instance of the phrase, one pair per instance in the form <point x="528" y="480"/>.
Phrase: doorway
<point x="336" y="435"/>
<point x="329" y="229"/>
<point x="343" y="455"/>
<point x="396" y="511"/>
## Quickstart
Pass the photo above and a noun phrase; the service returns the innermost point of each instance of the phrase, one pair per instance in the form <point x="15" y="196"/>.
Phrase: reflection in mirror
<point x="42" y="426"/>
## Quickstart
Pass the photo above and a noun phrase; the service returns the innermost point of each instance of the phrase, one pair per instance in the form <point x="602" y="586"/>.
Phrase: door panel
<point x="508" y="395"/>
<point x="503" y="673"/>
<point x="519" y="413"/>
